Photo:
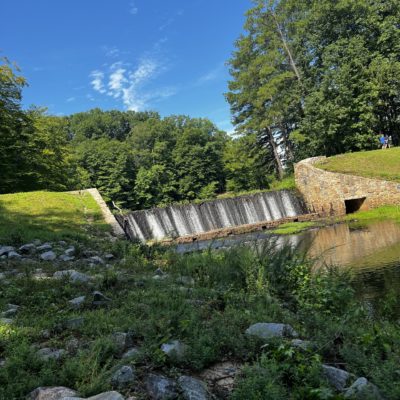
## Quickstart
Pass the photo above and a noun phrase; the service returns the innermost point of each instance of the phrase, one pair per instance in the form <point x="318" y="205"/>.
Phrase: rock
<point x="45" y="334"/>
<point x="159" y="272"/>
<point x="4" y="250"/>
<point x="73" y="276"/>
<point x="335" y="376"/>
<point x="264" y="330"/>
<point x="51" y="393"/>
<point x="66" y="258"/>
<point x="193" y="389"/>
<point x="77" y="302"/>
<point x="6" y="321"/>
<point x="48" y="256"/>
<point x="160" y="388"/>
<point x="72" y="345"/>
<point x="122" y="340"/>
<point x="99" y="299"/>
<point x="133" y="352"/>
<point x="185" y="280"/>
<point x="96" y="260"/>
<point x="37" y="242"/>
<point x="70" y="251"/>
<point x="13" y="255"/>
<point x="74" y="323"/>
<point x="44" y="247"/>
<point x="28" y="248"/>
<point x="2" y="276"/>
<point x="123" y="377"/>
<point x="174" y="349"/>
<point x="222" y="377"/>
<point x="62" y="243"/>
<point x="47" y="354"/>
<point x="109" y="256"/>
<point x="107" y="396"/>
<point x="363" y="389"/>
<point x="12" y="309"/>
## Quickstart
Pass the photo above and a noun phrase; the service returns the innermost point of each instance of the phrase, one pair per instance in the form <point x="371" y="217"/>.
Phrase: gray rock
<point x="133" y="352"/>
<point x="109" y="256"/>
<point x="6" y="321"/>
<point x="159" y="272"/>
<point x="70" y="251"/>
<point x="13" y="255"/>
<point x="336" y="377"/>
<point x="174" y="349"/>
<point x="44" y="247"/>
<point x="264" y="330"/>
<point x="47" y="354"/>
<point x="161" y="388"/>
<point x="4" y="250"/>
<point x="48" y="256"/>
<point x="185" y="280"/>
<point x="37" y="242"/>
<point x="122" y="340"/>
<point x="77" y="302"/>
<point x="51" y="393"/>
<point x="66" y="258"/>
<point x="301" y="344"/>
<point x="123" y="377"/>
<point x="363" y="389"/>
<point x="12" y="309"/>
<point x="96" y="260"/>
<point x="99" y="299"/>
<point x="107" y="396"/>
<point x="193" y="389"/>
<point x="72" y="345"/>
<point x="62" y="243"/>
<point x="74" y="323"/>
<point x="2" y="276"/>
<point x="73" y="276"/>
<point x="28" y="248"/>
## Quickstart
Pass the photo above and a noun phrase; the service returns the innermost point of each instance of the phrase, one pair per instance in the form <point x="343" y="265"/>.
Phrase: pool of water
<point x="372" y="251"/>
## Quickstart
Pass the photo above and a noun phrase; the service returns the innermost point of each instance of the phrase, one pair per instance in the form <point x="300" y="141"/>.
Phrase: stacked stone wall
<point x="325" y="192"/>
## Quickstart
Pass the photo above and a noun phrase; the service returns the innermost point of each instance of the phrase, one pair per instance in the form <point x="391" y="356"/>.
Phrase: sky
<point x="163" y="55"/>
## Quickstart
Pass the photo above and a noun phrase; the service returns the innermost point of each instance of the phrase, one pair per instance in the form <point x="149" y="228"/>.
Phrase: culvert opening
<point x="353" y="205"/>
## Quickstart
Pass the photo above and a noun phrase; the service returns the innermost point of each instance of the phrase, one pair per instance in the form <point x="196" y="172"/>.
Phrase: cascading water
<point x="192" y="219"/>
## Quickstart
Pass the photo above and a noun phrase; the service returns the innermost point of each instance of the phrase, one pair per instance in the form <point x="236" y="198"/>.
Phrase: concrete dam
<point x="190" y="220"/>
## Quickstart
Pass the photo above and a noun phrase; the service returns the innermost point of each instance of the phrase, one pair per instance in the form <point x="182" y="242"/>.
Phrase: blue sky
<point x="163" y="55"/>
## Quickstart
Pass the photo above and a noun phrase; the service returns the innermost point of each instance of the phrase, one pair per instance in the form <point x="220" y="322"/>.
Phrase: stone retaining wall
<point x="329" y="193"/>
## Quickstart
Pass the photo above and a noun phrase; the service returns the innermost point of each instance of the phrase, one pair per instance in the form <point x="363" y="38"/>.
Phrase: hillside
<point x="48" y="216"/>
<point x="378" y="164"/>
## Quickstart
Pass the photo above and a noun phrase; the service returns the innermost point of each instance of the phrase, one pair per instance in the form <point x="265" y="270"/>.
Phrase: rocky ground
<point x="79" y="323"/>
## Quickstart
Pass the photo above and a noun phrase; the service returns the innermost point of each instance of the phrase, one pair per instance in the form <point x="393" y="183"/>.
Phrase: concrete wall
<point x="325" y="192"/>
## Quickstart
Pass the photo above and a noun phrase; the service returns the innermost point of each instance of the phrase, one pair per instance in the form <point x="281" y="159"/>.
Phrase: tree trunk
<point x="274" y="149"/>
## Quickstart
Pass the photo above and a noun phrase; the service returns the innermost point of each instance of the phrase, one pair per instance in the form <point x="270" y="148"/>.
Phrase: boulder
<point x="11" y="310"/>
<point x="4" y="250"/>
<point x="99" y="299"/>
<point x="109" y="256"/>
<point x="96" y="260"/>
<point x="66" y="258"/>
<point x="122" y="340"/>
<point x="70" y="251"/>
<point x="107" y="396"/>
<point x="47" y="354"/>
<point x="302" y="344"/>
<point x="6" y="321"/>
<point x="193" y="389"/>
<point x="266" y="330"/>
<point x="77" y="302"/>
<point x="28" y="248"/>
<point x="73" y="276"/>
<point x="133" y="352"/>
<point x="336" y="377"/>
<point x="51" y="393"/>
<point x="48" y="256"/>
<point x="44" y="247"/>
<point x="363" y="389"/>
<point x="74" y="323"/>
<point x="13" y="255"/>
<point x="123" y="377"/>
<point x="161" y="388"/>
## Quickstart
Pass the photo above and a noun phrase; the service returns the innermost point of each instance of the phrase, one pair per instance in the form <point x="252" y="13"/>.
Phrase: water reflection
<point x="373" y="251"/>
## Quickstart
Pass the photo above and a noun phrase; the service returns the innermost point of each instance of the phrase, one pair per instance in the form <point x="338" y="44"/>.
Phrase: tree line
<point x="136" y="159"/>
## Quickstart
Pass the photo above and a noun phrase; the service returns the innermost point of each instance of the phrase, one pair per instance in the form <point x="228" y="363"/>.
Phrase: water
<point x="373" y="252"/>
<point x="192" y="219"/>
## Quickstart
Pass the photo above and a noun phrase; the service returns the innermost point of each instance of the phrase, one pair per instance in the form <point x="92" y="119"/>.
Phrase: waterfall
<point x="192" y="219"/>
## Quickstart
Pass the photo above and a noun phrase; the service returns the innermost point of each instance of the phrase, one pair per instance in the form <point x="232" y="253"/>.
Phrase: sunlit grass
<point x="380" y="164"/>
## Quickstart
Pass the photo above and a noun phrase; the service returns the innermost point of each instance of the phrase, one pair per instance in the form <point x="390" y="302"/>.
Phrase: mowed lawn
<point x="380" y="164"/>
<point x="48" y="216"/>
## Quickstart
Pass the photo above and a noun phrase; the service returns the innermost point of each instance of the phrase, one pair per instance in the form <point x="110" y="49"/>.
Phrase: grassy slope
<point x="379" y="164"/>
<point x="47" y="216"/>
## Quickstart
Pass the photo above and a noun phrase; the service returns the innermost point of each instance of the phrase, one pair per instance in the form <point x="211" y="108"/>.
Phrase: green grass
<point x="291" y="228"/>
<point x="377" y="214"/>
<point x="48" y="216"/>
<point x="380" y="164"/>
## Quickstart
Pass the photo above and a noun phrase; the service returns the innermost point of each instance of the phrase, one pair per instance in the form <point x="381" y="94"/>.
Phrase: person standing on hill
<point x="382" y="140"/>
<point x="390" y="142"/>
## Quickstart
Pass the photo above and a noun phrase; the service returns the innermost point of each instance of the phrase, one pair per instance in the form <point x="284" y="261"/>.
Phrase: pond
<point x="372" y="251"/>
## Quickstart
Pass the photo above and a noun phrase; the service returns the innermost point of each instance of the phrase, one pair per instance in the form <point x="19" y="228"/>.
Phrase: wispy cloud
<point x="97" y="81"/>
<point x="170" y="20"/>
<point x="211" y="75"/>
<point x="132" y="8"/>
<point x="70" y="99"/>
<point x="129" y="84"/>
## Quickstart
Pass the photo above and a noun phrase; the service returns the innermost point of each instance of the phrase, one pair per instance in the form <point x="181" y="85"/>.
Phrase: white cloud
<point x="129" y="85"/>
<point x="211" y="75"/>
<point x="132" y="8"/>
<point x="111" y="52"/>
<point x="70" y="99"/>
<point x="97" y="81"/>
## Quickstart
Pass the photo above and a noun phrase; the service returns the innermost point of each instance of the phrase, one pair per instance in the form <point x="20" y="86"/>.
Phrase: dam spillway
<point x="197" y="218"/>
